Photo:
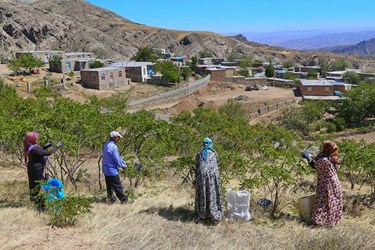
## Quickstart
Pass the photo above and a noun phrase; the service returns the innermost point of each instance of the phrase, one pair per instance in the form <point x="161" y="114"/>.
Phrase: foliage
<point x="233" y="109"/>
<point x="338" y="65"/>
<point x="324" y="66"/>
<point x="145" y="54"/>
<point x="358" y="105"/>
<point x="289" y="75"/>
<point x="185" y="72"/>
<point x="96" y="64"/>
<point x="55" y="62"/>
<point x="292" y="118"/>
<point x="24" y="63"/>
<point x="193" y="64"/>
<point x="358" y="161"/>
<point x="270" y="69"/>
<point x="276" y="165"/>
<point x="312" y="74"/>
<point x="169" y="71"/>
<point x="351" y="77"/>
<point x="205" y="53"/>
<point x="243" y="67"/>
<point x="288" y="64"/>
<point x="65" y="212"/>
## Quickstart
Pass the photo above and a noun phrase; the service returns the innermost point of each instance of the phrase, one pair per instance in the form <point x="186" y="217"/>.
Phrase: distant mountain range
<point x="311" y="40"/>
<point x="364" y="48"/>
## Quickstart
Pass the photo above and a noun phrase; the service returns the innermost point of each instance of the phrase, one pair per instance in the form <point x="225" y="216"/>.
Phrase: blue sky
<point x="236" y="16"/>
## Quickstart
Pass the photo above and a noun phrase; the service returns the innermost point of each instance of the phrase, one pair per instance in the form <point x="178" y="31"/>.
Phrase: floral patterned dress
<point x="328" y="204"/>
<point x="208" y="198"/>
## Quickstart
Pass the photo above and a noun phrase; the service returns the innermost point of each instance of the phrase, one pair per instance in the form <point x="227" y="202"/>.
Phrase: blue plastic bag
<point x="54" y="189"/>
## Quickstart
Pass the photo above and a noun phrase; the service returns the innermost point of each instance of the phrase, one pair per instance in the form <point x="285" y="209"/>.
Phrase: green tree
<point x="290" y="76"/>
<point x="275" y="166"/>
<point x="96" y="64"/>
<point x="324" y="66"/>
<point x="270" y="69"/>
<point x="185" y="72"/>
<point x="338" y="65"/>
<point x="244" y="65"/>
<point x="145" y="54"/>
<point x="312" y="74"/>
<point x="24" y="63"/>
<point x="358" y="105"/>
<point x="169" y="71"/>
<point x="351" y="77"/>
<point x="193" y="63"/>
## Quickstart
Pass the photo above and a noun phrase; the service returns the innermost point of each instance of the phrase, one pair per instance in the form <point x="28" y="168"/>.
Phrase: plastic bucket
<point x="305" y="207"/>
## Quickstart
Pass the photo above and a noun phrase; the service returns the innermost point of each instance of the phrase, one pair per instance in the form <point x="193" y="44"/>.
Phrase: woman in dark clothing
<point x="36" y="160"/>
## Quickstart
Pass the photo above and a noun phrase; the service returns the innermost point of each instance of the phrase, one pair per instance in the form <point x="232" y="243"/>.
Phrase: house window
<point x="309" y="89"/>
<point x="94" y="77"/>
<point x="67" y="66"/>
<point x="326" y="89"/>
<point x="103" y="76"/>
<point x="144" y="71"/>
<point x="120" y="74"/>
<point x="111" y="76"/>
<point x="85" y="77"/>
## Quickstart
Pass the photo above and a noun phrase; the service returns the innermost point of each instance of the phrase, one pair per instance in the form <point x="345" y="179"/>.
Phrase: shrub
<point x="340" y="123"/>
<point x="331" y="127"/>
<point x="65" y="212"/>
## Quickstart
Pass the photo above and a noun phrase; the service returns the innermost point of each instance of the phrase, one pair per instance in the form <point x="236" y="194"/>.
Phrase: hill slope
<point x="76" y="25"/>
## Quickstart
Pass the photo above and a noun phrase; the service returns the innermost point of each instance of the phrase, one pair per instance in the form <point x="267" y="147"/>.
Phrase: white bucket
<point x="305" y="207"/>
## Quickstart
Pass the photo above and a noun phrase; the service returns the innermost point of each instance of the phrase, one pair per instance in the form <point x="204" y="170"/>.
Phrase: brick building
<point x="104" y="78"/>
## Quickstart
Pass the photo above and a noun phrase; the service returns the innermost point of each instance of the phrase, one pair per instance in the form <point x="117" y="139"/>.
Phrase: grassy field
<point x="162" y="217"/>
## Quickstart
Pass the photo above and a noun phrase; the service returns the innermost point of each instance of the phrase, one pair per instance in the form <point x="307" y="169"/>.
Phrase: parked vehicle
<point x="249" y="88"/>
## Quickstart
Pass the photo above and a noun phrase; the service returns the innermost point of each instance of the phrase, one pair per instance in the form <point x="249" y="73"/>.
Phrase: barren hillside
<point x="76" y="25"/>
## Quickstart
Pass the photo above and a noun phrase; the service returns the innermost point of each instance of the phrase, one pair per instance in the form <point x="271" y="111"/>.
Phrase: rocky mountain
<point x="313" y="39"/>
<point x="76" y="25"/>
<point x="366" y="48"/>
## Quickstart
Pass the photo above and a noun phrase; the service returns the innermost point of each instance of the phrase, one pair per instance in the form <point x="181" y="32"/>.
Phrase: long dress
<point x="328" y="204"/>
<point x="208" y="198"/>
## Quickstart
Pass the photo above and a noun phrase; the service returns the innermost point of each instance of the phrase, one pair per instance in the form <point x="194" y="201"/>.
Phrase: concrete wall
<point x="269" y="108"/>
<point x="173" y="94"/>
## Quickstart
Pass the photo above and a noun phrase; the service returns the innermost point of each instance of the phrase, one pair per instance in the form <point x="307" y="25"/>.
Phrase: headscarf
<point x="330" y="151"/>
<point x="30" y="139"/>
<point x="206" y="145"/>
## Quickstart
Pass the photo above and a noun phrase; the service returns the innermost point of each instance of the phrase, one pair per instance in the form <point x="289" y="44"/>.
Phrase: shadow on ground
<point x="11" y="204"/>
<point x="173" y="214"/>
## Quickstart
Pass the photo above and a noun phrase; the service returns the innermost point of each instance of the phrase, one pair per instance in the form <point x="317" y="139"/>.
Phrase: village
<point x="81" y="69"/>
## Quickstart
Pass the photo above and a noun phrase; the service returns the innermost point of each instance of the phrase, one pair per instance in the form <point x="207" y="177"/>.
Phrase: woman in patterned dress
<point x="208" y="198"/>
<point x="327" y="210"/>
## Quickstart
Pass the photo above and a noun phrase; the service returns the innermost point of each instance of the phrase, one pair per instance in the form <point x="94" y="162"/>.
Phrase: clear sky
<point x="236" y="16"/>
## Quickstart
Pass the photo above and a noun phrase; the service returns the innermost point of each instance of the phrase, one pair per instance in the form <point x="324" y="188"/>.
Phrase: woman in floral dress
<point x="327" y="210"/>
<point x="208" y="198"/>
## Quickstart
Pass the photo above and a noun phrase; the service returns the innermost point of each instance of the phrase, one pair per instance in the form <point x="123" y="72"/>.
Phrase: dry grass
<point x="162" y="218"/>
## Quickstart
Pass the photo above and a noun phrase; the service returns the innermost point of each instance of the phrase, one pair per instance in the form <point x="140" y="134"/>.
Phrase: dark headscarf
<point x="206" y="145"/>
